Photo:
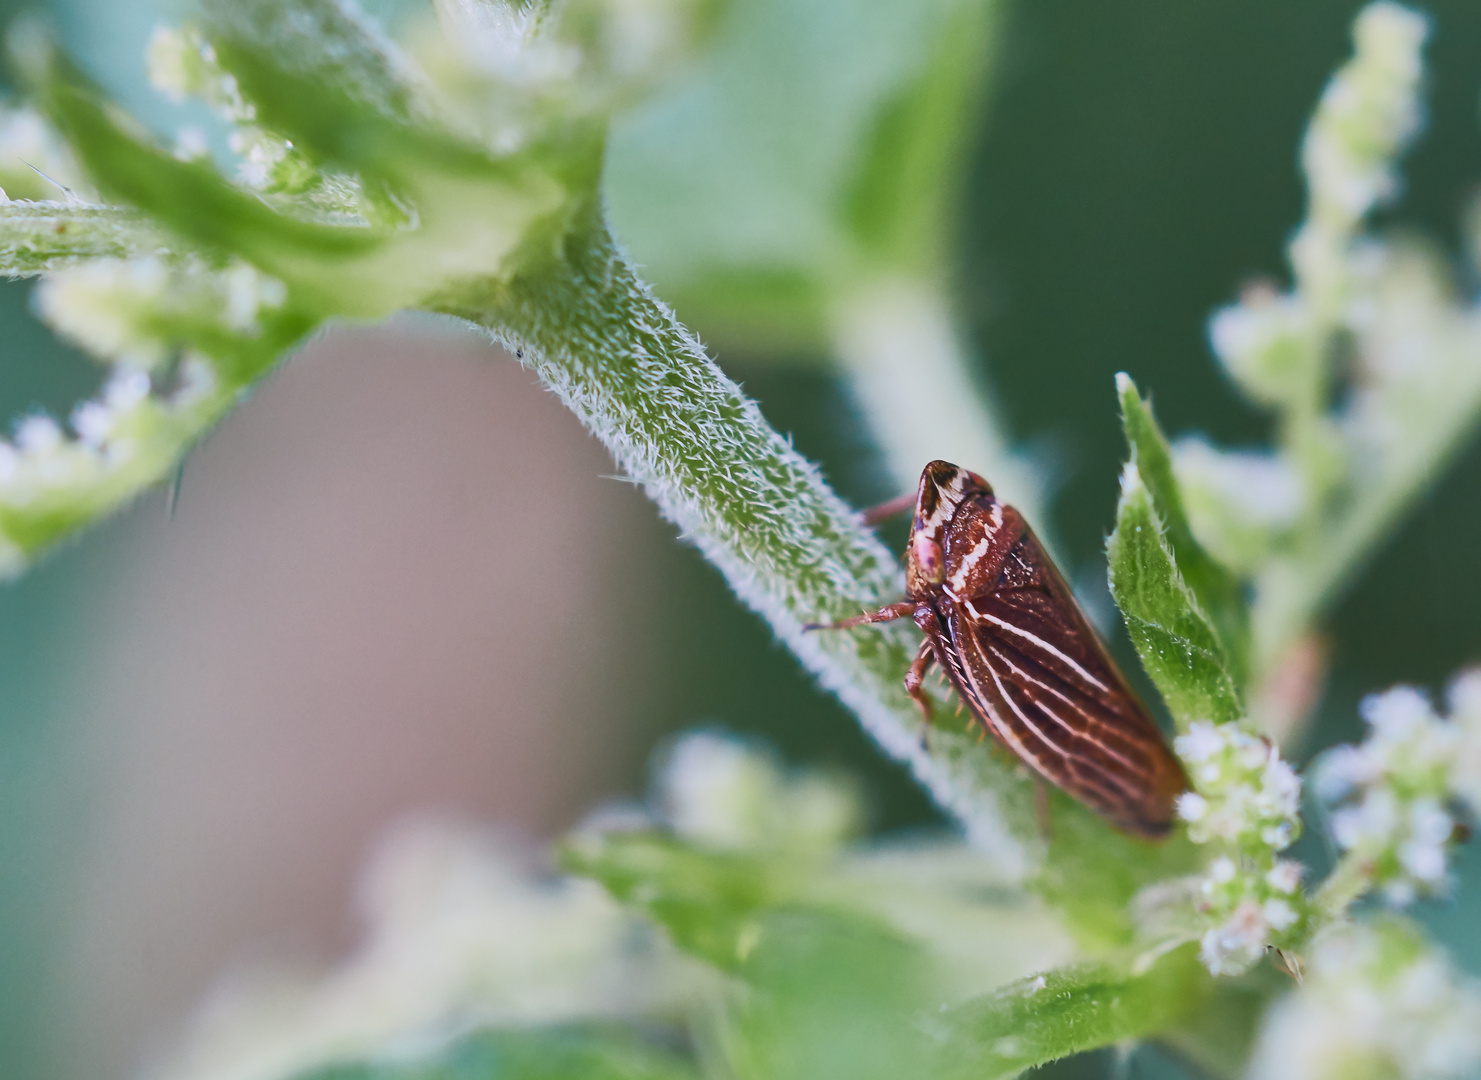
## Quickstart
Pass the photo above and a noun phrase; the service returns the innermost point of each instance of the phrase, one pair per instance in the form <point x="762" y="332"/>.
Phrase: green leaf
<point x="832" y="136"/>
<point x="190" y="197"/>
<point x="1217" y="590"/>
<point x="1174" y="636"/>
<point x="1069" y="1011"/>
<point x="833" y="997"/>
<point x="476" y="216"/>
<point x="835" y="993"/>
<point x="325" y="42"/>
<point x="707" y="901"/>
<point x="556" y="1053"/>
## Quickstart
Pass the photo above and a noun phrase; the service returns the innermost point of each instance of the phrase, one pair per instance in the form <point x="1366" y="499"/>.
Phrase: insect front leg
<point x="890" y="613"/>
<point x="885" y="510"/>
<point x="913" y="678"/>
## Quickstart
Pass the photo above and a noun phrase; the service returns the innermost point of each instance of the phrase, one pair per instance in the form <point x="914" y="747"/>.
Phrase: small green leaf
<point x="835" y="993"/>
<point x="188" y="196"/>
<point x="1175" y="637"/>
<point x="326" y="42"/>
<point x="707" y="901"/>
<point x="1217" y="590"/>
<point x="1050" y="1016"/>
<point x="835" y="997"/>
<point x="556" y="1053"/>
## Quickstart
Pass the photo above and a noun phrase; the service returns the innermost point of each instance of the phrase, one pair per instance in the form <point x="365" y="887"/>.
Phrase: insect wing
<point x="1032" y="669"/>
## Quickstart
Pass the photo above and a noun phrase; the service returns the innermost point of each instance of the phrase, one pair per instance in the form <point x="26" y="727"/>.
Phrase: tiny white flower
<point x="38" y="435"/>
<point x="1200" y="742"/>
<point x="1356" y="1010"/>
<point x="1279" y="914"/>
<point x="1426" y="862"/>
<point x="126" y="389"/>
<point x="1396" y="713"/>
<point x="9" y="461"/>
<point x="1285" y="876"/>
<point x="1192" y="806"/>
<point x="1236" y="945"/>
<point x="93" y="422"/>
<point x="191" y="143"/>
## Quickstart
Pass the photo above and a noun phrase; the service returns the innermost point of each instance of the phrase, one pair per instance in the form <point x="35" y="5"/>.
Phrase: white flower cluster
<point x="140" y="316"/>
<point x="131" y="311"/>
<point x="722" y="792"/>
<point x="182" y="64"/>
<point x="1394" y="791"/>
<point x="1249" y="912"/>
<point x="582" y="57"/>
<point x="1376" y="1001"/>
<point x="1243" y="793"/>
<point x="1278" y="345"/>
<point x="1368" y="113"/>
<point x="124" y="438"/>
<point x="1245" y="797"/>
<point x="1264" y="342"/>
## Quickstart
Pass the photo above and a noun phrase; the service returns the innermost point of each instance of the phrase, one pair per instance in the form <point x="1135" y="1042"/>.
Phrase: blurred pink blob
<point x="395" y="580"/>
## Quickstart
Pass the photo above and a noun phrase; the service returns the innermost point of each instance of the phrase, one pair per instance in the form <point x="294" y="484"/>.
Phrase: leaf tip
<point x="1131" y="479"/>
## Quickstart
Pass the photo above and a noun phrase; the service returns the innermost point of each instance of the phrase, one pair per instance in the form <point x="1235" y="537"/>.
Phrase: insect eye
<point x="928" y="557"/>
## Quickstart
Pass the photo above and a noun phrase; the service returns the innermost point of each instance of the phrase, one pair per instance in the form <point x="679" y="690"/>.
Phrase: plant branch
<point x="37" y="237"/>
<point x="790" y="548"/>
<point x="910" y="375"/>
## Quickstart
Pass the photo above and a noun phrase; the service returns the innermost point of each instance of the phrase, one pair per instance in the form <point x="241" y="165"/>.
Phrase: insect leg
<point x="898" y="505"/>
<point x="884" y="614"/>
<point x="923" y="661"/>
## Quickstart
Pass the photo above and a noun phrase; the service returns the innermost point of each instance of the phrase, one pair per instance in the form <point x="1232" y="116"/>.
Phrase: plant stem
<point x="791" y="549"/>
<point x="909" y="373"/>
<point x="1292" y="591"/>
<point x="37" y="237"/>
<point x="1348" y="880"/>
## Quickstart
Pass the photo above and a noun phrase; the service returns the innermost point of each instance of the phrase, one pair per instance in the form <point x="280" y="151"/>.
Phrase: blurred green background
<point x="1136" y="164"/>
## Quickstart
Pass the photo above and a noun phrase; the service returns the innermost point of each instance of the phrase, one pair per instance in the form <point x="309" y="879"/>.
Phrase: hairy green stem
<point x="37" y="237"/>
<point x="790" y="548"/>
<point x="1349" y="879"/>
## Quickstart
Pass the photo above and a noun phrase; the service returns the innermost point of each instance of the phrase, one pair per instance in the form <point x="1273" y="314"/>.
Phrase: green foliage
<point x="708" y="902"/>
<point x="834" y="991"/>
<point x="1217" y="591"/>
<point x="37" y="237"/>
<point x="1177" y="641"/>
<point x="469" y="186"/>
<point x="831" y="133"/>
<point x="831" y="992"/>
<point x="1062" y="1012"/>
<point x="1082" y="849"/>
